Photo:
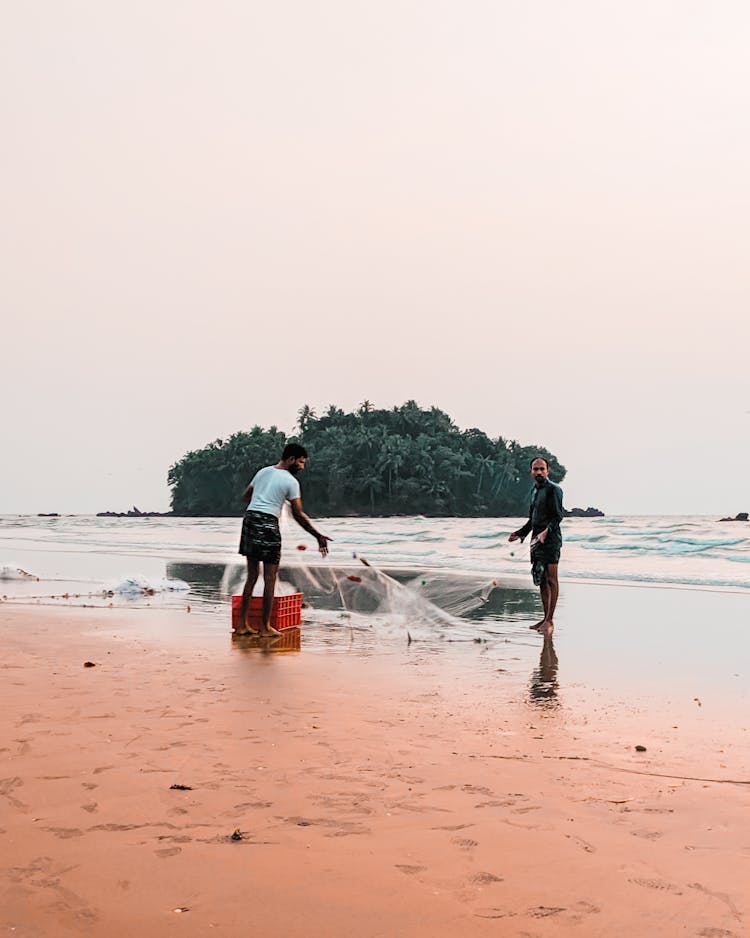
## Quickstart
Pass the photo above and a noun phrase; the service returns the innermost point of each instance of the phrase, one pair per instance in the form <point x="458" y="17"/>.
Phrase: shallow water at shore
<point x="685" y="550"/>
<point x="447" y="587"/>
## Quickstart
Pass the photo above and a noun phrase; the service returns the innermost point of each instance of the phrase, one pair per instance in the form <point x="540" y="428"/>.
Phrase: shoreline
<point x="375" y="794"/>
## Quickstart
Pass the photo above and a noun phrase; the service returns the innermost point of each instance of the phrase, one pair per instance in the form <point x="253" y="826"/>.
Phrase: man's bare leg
<point x="544" y="594"/>
<point x="270" y="571"/>
<point x="247" y="592"/>
<point x="553" y="587"/>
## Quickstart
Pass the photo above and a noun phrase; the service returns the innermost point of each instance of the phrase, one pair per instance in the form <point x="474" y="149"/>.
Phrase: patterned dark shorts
<point x="260" y="539"/>
<point x="541" y="555"/>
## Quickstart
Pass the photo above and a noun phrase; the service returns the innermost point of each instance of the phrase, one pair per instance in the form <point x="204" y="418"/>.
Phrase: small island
<point x="370" y="462"/>
<point x="742" y="516"/>
<point x="583" y="513"/>
<point x="134" y="513"/>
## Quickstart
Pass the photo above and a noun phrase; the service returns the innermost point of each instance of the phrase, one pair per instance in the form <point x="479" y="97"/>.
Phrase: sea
<point x="652" y="617"/>
<point x="689" y="551"/>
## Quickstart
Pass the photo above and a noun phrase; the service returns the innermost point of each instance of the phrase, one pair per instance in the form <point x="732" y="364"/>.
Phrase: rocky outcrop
<point x="135" y="513"/>
<point x="583" y="513"/>
<point x="742" y="516"/>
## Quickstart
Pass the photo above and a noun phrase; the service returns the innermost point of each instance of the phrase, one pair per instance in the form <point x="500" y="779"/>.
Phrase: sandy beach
<point x="377" y="795"/>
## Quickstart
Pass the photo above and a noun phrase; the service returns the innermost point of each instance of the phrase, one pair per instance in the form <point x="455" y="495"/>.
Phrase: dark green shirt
<point x="545" y="511"/>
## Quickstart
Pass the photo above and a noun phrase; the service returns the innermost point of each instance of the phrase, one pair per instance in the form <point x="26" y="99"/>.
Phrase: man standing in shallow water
<point x="260" y="542"/>
<point x="545" y="515"/>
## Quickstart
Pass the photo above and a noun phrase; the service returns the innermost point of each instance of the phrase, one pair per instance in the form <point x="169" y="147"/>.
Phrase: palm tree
<point x="305" y="415"/>
<point x="485" y="462"/>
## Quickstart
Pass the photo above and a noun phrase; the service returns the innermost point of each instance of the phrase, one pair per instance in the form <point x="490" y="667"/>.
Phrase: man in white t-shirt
<point x="260" y="542"/>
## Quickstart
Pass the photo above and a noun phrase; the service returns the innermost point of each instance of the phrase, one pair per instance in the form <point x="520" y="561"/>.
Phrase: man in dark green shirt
<point x="545" y="515"/>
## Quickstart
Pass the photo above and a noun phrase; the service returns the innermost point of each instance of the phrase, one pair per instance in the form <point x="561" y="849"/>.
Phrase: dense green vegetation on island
<point x="408" y="460"/>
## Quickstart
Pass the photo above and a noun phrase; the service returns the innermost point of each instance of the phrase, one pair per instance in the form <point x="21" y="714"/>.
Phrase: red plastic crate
<point x="286" y="612"/>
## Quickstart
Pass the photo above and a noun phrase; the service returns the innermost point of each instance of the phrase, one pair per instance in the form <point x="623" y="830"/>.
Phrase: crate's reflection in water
<point x="290" y="640"/>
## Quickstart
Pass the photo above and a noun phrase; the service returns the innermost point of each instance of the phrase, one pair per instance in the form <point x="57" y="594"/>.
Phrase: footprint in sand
<point x="659" y="884"/>
<point x="31" y="718"/>
<point x="583" y="844"/>
<point x="464" y="842"/>
<point x="486" y="879"/>
<point x="410" y="870"/>
<point x="64" y="833"/>
<point x="44" y="873"/>
<point x="346" y="830"/>
<point x="545" y="911"/>
<point x="478" y="790"/>
<point x="8" y="785"/>
<point x="588" y="907"/>
<point x="91" y="808"/>
<point x="721" y="896"/>
<point x="168" y="852"/>
<point x="494" y="912"/>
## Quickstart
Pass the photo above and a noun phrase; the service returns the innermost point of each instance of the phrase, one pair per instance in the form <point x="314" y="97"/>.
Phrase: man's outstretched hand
<point x="513" y="537"/>
<point x="323" y="544"/>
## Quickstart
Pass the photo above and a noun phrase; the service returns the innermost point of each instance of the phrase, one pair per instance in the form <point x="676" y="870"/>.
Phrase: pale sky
<point x="533" y="215"/>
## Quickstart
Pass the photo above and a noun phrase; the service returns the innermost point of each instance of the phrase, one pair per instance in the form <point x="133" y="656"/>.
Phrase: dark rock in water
<point x="135" y="513"/>
<point x="48" y="514"/>
<point x="742" y="516"/>
<point x="583" y="513"/>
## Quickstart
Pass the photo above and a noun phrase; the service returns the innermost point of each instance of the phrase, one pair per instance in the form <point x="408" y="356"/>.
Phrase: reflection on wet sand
<point x="543" y="685"/>
<point x="288" y="640"/>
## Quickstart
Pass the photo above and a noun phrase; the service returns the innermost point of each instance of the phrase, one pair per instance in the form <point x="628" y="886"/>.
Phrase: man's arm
<point x="521" y="533"/>
<point x="304" y="522"/>
<point x="554" y="513"/>
<point x="555" y="509"/>
<point x="248" y="494"/>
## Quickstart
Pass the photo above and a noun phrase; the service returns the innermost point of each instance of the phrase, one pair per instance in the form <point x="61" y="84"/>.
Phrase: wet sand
<point x="372" y="795"/>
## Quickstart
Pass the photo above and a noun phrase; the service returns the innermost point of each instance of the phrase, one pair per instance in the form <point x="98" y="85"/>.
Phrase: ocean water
<point x="672" y="630"/>
<point x="666" y="550"/>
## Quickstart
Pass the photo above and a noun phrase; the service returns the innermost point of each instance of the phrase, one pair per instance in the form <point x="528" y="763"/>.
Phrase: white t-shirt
<point x="272" y="487"/>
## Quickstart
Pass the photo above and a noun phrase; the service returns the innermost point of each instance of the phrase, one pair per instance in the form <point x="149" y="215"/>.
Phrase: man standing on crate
<point x="260" y="542"/>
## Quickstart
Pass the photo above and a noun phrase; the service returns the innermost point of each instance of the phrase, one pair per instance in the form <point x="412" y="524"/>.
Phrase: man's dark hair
<point x="294" y="451"/>
<point x="543" y="458"/>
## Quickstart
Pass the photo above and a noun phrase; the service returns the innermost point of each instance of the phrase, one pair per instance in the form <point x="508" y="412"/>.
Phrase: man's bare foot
<point x="547" y="627"/>
<point x="266" y="633"/>
<point x="538" y="625"/>
<point x="246" y="631"/>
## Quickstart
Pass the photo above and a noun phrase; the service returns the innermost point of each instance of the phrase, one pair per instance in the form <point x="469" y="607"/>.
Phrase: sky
<point x="532" y="215"/>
